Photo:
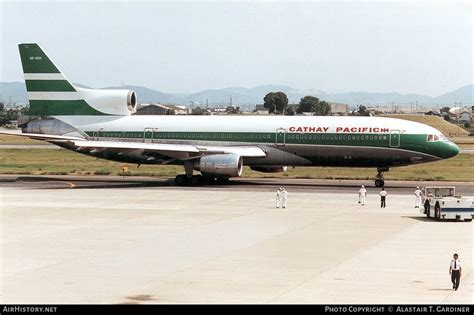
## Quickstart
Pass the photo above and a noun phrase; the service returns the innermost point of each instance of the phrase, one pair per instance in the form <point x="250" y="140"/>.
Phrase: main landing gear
<point x="189" y="179"/>
<point x="379" y="180"/>
<point x="183" y="180"/>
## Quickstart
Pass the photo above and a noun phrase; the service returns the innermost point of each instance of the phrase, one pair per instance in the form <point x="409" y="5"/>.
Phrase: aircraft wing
<point x="173" y="150"/>
<point x="179" y="151"/>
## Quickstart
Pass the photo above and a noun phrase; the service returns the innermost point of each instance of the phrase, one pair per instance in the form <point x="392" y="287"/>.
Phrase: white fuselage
<point x="287" y="140"/>
<point x="267" y="124"/>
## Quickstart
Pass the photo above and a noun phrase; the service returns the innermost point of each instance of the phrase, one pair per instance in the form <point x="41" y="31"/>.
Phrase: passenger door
<point x="280" y="136"/>
<point x="148" y="135"/>
<point x="395" y="138"/>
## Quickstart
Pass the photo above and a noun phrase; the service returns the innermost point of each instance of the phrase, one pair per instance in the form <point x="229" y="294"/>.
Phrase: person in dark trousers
<point x="455" y="271"/>
<point x="383" y="195"/>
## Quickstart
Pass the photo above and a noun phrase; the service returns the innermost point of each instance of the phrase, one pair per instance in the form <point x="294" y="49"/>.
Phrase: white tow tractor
<point x="442" y="203"/>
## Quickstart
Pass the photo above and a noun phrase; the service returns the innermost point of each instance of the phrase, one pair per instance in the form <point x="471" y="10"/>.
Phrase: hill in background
<point x="15" y="92"/>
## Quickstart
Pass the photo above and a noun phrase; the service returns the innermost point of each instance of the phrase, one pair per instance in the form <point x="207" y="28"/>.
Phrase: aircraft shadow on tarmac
<point x="55" y="183"/>
<point x="422" y="219"/>
<point x="88" y="183"/>
<point x="425" y="219"/>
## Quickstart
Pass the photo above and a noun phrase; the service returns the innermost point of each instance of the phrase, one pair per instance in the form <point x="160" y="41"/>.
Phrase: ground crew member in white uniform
<point x="278" y="198"/>
<point x="362" y="195"/>
<point x="383" y="194"/>
<point x="418" y="197"/>
<point x="284" y="197"/>
<point x="455" y="271"/>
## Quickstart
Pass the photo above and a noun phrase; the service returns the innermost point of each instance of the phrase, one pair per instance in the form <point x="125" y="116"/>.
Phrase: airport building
<point x="339" y="109"/>
<point x="159" y="109"/>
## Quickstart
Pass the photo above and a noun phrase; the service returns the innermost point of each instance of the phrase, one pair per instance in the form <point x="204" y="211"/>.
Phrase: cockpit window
<point x="443" y="138"/>
<point x="434" y="138"/>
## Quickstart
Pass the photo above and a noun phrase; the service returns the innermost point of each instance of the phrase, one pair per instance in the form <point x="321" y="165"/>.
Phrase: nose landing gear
<point x="379" y="180"/>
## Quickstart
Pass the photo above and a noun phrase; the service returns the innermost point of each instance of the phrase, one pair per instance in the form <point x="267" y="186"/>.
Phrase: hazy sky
<point x="410" y="47"/>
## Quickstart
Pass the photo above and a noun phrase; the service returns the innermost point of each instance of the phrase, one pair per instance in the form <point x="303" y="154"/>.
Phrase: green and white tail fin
<point x="49" y="91"/>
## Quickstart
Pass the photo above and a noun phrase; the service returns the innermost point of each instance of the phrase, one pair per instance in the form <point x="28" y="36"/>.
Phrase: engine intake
<point x="132" y="101"/>
<point x="220" y="164"/>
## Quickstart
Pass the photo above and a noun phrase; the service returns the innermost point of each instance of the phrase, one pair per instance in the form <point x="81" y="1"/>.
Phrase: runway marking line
<point x="71" y="185"/>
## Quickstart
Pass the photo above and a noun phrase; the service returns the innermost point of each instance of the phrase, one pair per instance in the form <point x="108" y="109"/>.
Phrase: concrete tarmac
<point x="166" y="244"/>
<point x="245" y="184"/>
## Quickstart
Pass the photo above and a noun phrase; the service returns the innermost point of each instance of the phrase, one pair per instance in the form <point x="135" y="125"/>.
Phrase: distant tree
<point x="323" y="108"/>
<point x="363" y="111"/>
<point x="11" y="114"/>
<point x="467" y="125"/>
<point x="446" y="117"/>
<point x="289" y="111"/>
<point x="307" y="104"/>
<point x="2" y="106"/>
<point x="311" y="104"/>
<point x="24" y="110"/>
<point x="445" y="110"/>
<point x="269" y="102"/>
<point x="170" y="112"/>
<point x="275" y="102"/>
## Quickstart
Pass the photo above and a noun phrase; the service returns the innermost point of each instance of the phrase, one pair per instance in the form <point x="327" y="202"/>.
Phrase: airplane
<point x="100" y="123"/>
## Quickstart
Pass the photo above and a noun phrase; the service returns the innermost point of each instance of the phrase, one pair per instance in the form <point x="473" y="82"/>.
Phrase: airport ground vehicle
<point x="442" y="203"/>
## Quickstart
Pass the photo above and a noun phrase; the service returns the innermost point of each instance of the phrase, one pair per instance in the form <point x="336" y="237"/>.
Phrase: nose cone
<point x="450" y="149"/>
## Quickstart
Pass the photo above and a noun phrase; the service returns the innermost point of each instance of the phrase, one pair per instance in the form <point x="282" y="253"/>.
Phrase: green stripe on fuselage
<point x="60" y="108"/>
<point x="49" y="86"/>
<point x="410" y="142"/>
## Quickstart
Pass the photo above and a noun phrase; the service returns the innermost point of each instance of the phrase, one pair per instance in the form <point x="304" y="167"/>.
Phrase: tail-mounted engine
<point x="112" y="102"/>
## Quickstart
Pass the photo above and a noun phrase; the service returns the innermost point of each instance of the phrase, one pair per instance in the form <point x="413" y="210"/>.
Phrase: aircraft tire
<point x="379" y="183"/>
<point x="180" y="180"/>
<point x="196" y="180"/>
<point x="208" y="179"/>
